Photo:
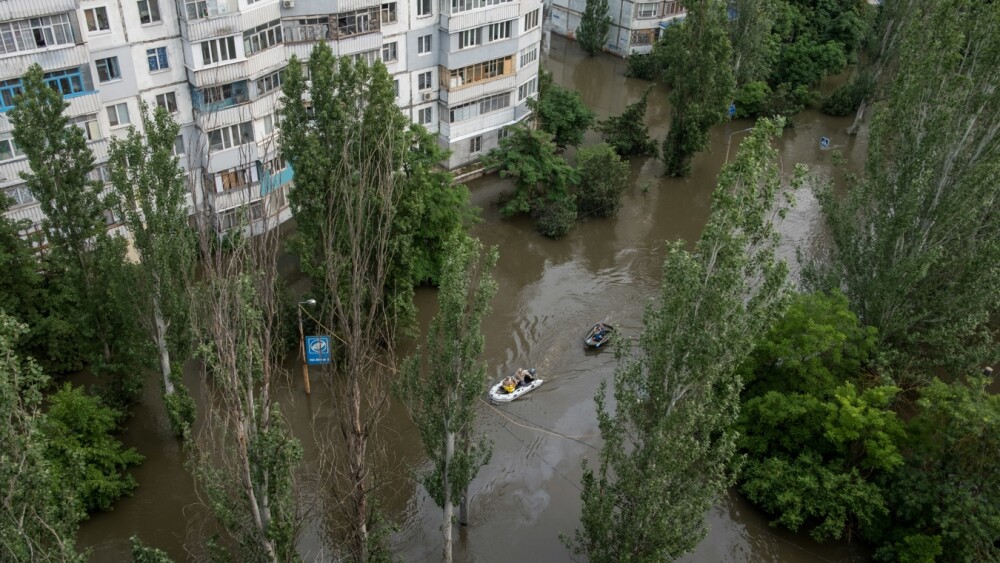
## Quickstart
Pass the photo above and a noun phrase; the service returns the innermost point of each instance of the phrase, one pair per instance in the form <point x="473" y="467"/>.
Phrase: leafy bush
<point x="751" y="99"/>
<point x="554" y="218"/>
<point x="561" y="112"/>
<point x="627" y="133"/>
<point x="643" y="67"/>
<point x="84" y="453"/>
<point x="846" y="99"/>
<point x="603" y="178"/>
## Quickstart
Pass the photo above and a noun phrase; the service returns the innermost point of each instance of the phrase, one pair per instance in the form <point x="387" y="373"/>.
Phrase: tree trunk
<point x="358" y="472"/>
<point x="446" y="525"/>
<point x="463" y="503"/>
<point x="853" y="129"/>
<point x="161" y="346"/>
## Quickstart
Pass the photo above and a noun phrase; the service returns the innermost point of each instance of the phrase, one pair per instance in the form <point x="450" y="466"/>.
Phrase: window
<point x="368" y="56"/>
<point x="480" y="71"/>
<point x="107" y="69"/>
<point x="358" y="21"/>
<point x="646" y="10"/>
<point x="270" y="82"/>
<point x="466" y="5"/>
<point x="479" y="107"/>
<point x="218" y="50"/>
<point x="196" y="9"/>
<point x="390" y="52"/>
<point x="97" y="19"/>
<point x="306" y="29"/>
<point x="157" y="59"/>
<point x="424" y="45"/>
<point x="529" y="56"/>
<point x="91" y="130"/>
<point x="179" y="145"/>
<point x="235" y="178"/>
<point x="20" y="195"/>
<point x="476" y="144"/>
<point x="395" y="87"/>
<point x="271" y="123"/>
<point x="424" y="80"/>
<point x="118" y="114"/>
<point x="527" y="89"/>
<point x="149" y="11"/>
<point x="498" y="31"/>
<point x="643" y="37"/>
<point x="504" y="132"/>
<point x="425" y="116"/>
<point x="531" y="20"/>
<point x="66" y="82"/>
<point x="35" y="33"/>
<point x="262" y="37"/>
<point x="388" y="13"/>
<point x="167" y="101"/>
<point x="470" y="38"/>
<point x="9" y="89"/>
<point x="423" y="8"/>
<point x="8" y="149"/>
<point x="231" y="136"/>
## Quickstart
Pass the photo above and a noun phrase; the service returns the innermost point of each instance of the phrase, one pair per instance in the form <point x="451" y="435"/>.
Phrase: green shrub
<point x="643" y="67"/>
<point x="603" y="177"/>
<point x="751" y="99"/>
<point x="846" y="99"/>
<point x="555" y="217"/>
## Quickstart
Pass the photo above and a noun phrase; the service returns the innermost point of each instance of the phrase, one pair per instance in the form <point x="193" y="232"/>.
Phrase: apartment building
<point x="635" y="25"/>
<point x="462" y="68"/>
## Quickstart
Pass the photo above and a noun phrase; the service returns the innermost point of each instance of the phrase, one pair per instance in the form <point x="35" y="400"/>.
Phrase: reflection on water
<point x="550" y="293"/>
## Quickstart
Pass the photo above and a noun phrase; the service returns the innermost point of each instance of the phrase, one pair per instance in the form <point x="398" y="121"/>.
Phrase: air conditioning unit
<point x="287" y="3"/>
<point x="428" y="96"/>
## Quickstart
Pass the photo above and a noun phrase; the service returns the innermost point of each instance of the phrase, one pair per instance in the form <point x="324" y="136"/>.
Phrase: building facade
<point x="462" y="68"/>
<point x="635" y="25"/>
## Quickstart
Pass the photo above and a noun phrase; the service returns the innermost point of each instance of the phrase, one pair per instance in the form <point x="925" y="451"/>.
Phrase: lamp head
<point x="309" y="302"/>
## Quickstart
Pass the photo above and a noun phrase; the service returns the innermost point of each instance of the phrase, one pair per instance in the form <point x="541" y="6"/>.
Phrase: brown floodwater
<point x="550" y="291"/>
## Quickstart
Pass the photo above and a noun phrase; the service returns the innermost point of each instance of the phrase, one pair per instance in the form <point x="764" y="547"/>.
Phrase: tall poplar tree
<point x="701" y="72"/>
<point x="669" y="445"/>
<point x="149" y="196"/>
<point x="595" y="23"/>
<point x="915" y="243"/>
<point x="442" y="402"/>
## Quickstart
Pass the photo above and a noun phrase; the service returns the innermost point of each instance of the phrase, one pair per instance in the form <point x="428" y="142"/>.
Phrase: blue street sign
<point x="317" y="350"/>
<point x="732" y="110"/>
<point x="824" y="142"/>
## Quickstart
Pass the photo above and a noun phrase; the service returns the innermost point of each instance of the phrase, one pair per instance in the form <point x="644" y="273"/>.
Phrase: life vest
<point x="509" y="387"/>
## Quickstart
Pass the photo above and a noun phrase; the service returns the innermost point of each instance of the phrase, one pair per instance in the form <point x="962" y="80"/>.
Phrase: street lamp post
<point x="302" y="342"/>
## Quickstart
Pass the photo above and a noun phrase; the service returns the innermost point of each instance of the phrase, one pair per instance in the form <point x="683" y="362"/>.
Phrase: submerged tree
<point x="915" y="244"/>
<point x="594" y="26"/>
<point x="561" y="112"/>
<point x="669" y="447"/>
<point x="628" y="133"/>
<point x="443" y="402"/>
<point x="150" y="197"/>
<point x="603" y="178"/>
<point x="701" y="72"/>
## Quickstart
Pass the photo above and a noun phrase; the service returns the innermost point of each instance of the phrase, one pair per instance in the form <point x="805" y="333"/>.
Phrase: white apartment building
<point x="635" y="25"/>
<point x="463" y="68"/>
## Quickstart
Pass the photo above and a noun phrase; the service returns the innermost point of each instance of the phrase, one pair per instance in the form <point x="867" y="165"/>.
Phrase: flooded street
<point x="549" y="293"/>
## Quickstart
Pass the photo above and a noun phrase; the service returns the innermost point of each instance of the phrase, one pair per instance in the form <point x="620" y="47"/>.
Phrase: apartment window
<point x="531" y="20"/>
<point x="35" y="33"/>
<point x="479" y="107"/>
<point x="466" y="5"/>
<point x="231" y="136"/>
<point x="480" y="71"/>
<point x="196" y="9"/>
<point x="235" y="178"/>
<point x="88" y="123"/>
<point x="167" y="101"/>
<point x="66" y="82"/>
<point x="395" y="87"/>
<point x="359" y="21"/>
<point x="390" y="52"/>
<point x="179" y="145"/>
<point x="9" y="89"/>
<point x="271" y="123"/>
<point x="107" y="69"/>
<point x="424" y="45"/>
<point x="97" y="19"/>
<point x="388" y="13"/>
<point x="646" y="10"/>
<point x="20" y="195"/>
<point x="424" y="80"/>
<point x="157" y="59"/>
<point x="529" y="56"/>
<point x="498" y="31"/>
<point x="476" y="144"/>
<point x="262" y="37"/>
<point x="643" y="37"/>
<point x="8" y="149"/>
<point x="494" y="103"/>
<point x="671" y="7"/>
<point x="270" y="82"/>
<point x="423" y="8"/>
<point x="527" y="89"/>
<point x="470" y="38"/>
<point x="149" y="11"/>
<point x="425" y="116"/>
<point x="306" y="29"/>
<point x="369" y="57"/>
<point x="118" y="114"/>
<point x="504" y="132"/>
<point x="218" y="50"/>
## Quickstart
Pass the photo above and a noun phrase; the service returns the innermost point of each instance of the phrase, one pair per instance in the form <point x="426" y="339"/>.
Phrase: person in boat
<point x="599" y="331"/>
<point x="509" y="384"/>
<point x="523" y="376"/>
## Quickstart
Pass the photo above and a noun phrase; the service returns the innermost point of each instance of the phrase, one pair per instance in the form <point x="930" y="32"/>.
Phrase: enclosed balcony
<point x="215" y="98"/>
<point x="70" y="82"/>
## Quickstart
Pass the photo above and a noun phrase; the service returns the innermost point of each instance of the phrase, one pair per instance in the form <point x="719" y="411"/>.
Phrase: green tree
<point x="39" y="513"/>
<point x="701" y="72"/>
<point x="755" y="47"/>
<point x="150" y="197"/>
<point x="443" y="403"/>
<point x="914" y="244"/>
<point x="947" y="489"/>
<point x="141" y="553"/>
<point x="348" y="149"/>
<point x="595" y="23"/>
<point x="561" y="112"/>
<point x="669" y="447"/>
<point x="543" y="179"/>
<point x="603" y="178"/>
<point x="85" y="455"/>
<point x="628" y="133"/>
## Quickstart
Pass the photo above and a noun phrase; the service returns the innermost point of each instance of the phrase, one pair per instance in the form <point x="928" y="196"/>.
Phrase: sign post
<point x="302" y="343"/>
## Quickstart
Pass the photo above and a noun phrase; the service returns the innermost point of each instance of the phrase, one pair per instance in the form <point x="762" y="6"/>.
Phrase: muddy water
<point x="549" y="292"/>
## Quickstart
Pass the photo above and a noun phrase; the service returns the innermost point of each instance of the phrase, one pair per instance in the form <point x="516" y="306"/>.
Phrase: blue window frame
<point x="9" y="89"/>
<point x="67" y="82"/>
<point x="157" y="59"/>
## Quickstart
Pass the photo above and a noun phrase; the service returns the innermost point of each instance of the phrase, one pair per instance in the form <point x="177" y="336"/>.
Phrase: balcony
<point x="215" y="98"/>
<point x="70" y="82"/>
<point x="334" y="27"/>
<point x="23" y="9"/>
